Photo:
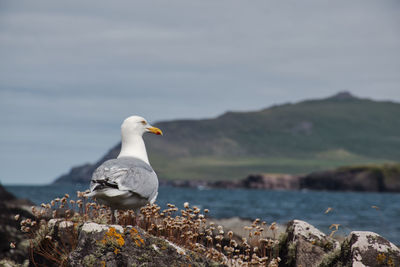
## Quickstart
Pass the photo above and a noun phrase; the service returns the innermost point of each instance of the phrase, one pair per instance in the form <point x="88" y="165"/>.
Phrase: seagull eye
<point x="144" y="122"/>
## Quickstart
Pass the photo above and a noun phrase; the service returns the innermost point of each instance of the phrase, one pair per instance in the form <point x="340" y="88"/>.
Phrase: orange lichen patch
<point x="137" y="243"/>
<point x="136" y="237"/>
<point x="381" y="258"/>
<point x="113" y="237"/>
<point x="116" y="251"/>
<point x="103" y="264"/>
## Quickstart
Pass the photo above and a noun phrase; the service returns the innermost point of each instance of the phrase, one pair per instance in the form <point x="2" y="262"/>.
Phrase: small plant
<point x="187" y="227"/>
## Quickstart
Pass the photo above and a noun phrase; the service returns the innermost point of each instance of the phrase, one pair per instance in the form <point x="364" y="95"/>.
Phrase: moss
<point x="102" y="246"/>
<point x="89" y="260"/>
<point x="345" y="253"/>
<point x="331" y="259"/>
<point x="287" y="248"/>
<point x="283" y="246"/>
<point x="144" y="257"/>
<point x="291" y="253"/>
<point x="282" y="240"/>
<point x="326" y="244"/>
<point x="162" y="244"/>
<point x="282" y="237"/>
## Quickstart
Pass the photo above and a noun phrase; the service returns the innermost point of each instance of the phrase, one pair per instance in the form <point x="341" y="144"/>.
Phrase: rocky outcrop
<point x="272" y="181"/>
<point x="350" y="179"/>
<point x="253" y="181"/>
<point x="362" y="248"/>
<point x="13" y="243"/>
<point x="112" y="246"/>
<point x="136" y="249"/>
<point x="93" y="244"/>
<point x="304" y="245"/>
<point x="385" y="178"/>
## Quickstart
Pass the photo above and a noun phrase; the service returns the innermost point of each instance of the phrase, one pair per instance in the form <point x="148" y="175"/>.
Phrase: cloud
<point x="76" y="69"/>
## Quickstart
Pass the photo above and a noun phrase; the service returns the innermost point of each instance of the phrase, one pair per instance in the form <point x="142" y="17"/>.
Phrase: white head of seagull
<point x="132" y="130"/>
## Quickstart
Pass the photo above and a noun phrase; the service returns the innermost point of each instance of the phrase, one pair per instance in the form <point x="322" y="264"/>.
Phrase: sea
<point x="376" y="212"/>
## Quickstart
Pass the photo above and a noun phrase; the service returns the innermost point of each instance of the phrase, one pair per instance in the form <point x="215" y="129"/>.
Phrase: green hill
<point x="290" y="138"/>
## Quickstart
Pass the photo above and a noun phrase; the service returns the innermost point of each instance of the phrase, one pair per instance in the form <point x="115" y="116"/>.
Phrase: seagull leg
<point x="137" y="219"/>
<point x="134" y="218"/>
<point x="113" y="216"/>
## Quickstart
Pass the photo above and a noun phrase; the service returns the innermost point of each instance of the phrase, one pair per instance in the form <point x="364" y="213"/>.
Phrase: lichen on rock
<point x="129" y="247"/>
<point x="363" y="248"/>
<point x="305" y="245"/>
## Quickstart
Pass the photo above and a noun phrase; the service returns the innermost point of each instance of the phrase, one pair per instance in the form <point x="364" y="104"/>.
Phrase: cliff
<point x="373" y="178"/>
<point x="370" y="178"/>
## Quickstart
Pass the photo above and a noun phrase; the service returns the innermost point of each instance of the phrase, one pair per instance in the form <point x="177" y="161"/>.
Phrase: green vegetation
<point x="215" y="168"/>
<point x="390" y="173"/>
<point x="291" y="138"/>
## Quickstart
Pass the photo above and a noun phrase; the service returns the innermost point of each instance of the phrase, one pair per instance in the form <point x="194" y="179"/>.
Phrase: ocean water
<point x="353" y="211"/>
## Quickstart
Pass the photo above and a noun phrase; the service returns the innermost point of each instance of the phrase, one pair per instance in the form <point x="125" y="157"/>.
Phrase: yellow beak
<point x="155" y="130"/>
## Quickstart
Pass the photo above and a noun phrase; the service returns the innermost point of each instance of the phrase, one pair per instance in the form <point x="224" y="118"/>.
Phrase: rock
<point x="271" y="181"/>
<point x="380" y="178"/>
<point x="345" y="179"/>
<point x="10" y="232"/>
<point x="114" y="245"/>
<point x="92" y="244"/>
<point x="5" y="195"/>
<point x="362" y="248"/>
<point x="304" y="245"/>
<point x="254" y="181"/>
<point x="11" y="263"/>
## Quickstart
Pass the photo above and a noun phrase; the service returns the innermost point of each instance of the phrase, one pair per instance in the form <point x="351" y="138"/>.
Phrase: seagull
<point x="127" y="182"/>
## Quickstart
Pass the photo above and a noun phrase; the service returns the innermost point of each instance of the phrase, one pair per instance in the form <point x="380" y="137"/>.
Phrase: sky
<point x="71" y="71"/>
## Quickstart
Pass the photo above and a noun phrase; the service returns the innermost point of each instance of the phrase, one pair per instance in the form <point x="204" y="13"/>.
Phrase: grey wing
<point x="126" y="174"/>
